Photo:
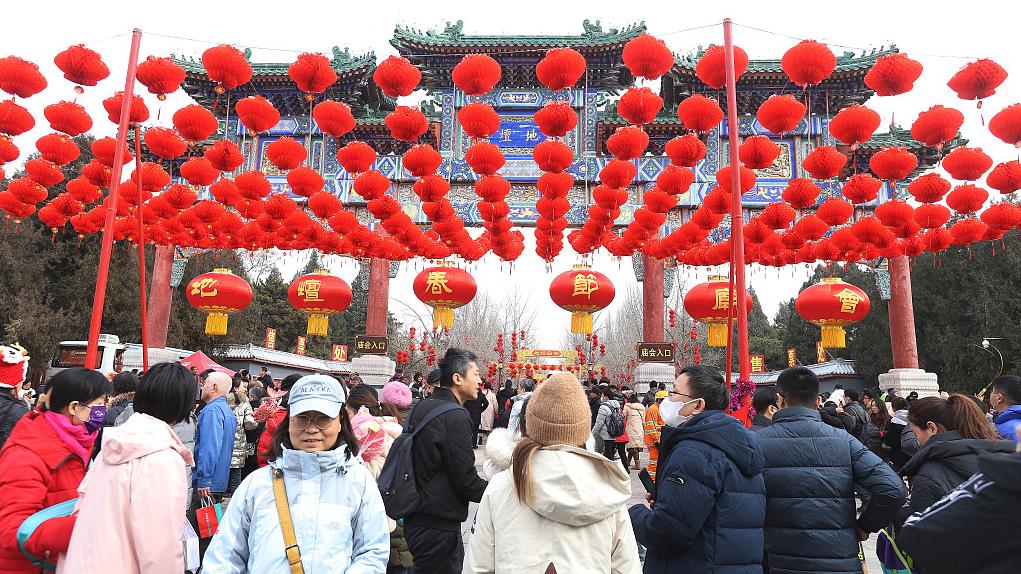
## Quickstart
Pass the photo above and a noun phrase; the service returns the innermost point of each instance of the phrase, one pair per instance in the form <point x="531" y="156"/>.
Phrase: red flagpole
<point x="111" y="208"/>
<point x="141" y="250"/>
<point x="737" y="212"/>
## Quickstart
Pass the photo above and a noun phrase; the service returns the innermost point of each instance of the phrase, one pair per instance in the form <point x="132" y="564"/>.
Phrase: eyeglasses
<point x="302" y="422"/>
<point x="681" y="394"/>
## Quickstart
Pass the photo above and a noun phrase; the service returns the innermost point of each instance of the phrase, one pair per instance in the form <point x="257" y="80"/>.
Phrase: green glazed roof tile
<point x="342" y="61"/>
<point x="452" y="35"/>
<point x="846" y="62"/>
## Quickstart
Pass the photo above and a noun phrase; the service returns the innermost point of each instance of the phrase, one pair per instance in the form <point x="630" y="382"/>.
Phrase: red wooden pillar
<point x="902" y="315"/>
<point x="379" y="297"/>
<point x="161" y="297"/>
<point x="652" y="300"/>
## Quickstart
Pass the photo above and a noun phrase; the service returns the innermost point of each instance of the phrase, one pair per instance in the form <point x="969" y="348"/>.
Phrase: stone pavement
<point x="638" y="497"/>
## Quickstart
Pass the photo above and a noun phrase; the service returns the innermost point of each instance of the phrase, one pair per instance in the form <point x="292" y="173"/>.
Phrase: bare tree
<point x="519" y="313"/>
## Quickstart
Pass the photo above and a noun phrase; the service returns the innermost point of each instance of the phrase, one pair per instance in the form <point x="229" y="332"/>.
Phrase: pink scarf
<point x="75" y="436"/>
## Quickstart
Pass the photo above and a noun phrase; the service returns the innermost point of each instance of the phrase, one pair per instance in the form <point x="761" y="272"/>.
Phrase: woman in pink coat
<point x="131" y="506"/>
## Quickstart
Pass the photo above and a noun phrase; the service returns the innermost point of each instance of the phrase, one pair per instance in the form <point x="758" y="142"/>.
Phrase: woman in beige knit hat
<point x="560" y="505"/>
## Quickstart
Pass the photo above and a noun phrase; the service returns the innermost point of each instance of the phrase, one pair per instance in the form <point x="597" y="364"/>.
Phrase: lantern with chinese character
<point x="444" y="289"/>
<point x="319" y="295"/>
<point x="581" y="291"/>
<point x="219" y="293"/>
<point x="709" y="303"/>
<point x="833" y="305"/>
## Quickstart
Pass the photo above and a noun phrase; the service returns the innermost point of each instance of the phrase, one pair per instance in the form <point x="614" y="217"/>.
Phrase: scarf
<point x="75" y="436"/>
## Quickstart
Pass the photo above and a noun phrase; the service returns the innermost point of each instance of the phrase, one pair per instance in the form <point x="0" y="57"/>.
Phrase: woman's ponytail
<point x="969" y="419"/>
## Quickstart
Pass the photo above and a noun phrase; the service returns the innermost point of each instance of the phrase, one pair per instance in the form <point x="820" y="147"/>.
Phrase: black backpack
<point x="397" y="479"/>
<point x="615" y="423"/>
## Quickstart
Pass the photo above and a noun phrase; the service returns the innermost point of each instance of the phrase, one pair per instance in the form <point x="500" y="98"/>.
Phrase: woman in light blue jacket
<point x="335" y="506"/>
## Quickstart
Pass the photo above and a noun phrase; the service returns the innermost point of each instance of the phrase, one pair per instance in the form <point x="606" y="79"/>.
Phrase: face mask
<point x="670" y="411"/>
<point x="96" y="416"/>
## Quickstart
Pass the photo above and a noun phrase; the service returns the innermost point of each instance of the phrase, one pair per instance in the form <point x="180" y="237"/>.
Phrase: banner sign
<point x="271" y="338"/>
<point x="820" y="352"/>
<point x="792" y="357"/>
<point x="758" y="363"/>
<point x="339" y="353"/>
<point x="299" y="347"/>
<point x="655" y="352"/>
<point x="569" y="354"/>
<point x="370" y="345"/>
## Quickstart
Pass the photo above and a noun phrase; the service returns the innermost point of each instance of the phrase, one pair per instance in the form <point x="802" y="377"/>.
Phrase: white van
<point x="70" y="354"/>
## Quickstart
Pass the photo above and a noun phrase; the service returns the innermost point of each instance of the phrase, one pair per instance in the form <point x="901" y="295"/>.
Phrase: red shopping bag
<point x="208" y="517"/>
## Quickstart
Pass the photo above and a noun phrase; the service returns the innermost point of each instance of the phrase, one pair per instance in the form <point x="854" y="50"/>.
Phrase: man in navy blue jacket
<point x="214" y="437"/>
<point x="811" y="473"/>
<point x="710" y="501"/>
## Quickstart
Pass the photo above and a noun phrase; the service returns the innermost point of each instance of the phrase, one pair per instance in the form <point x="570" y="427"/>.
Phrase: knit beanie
<point x="558" y="412"/>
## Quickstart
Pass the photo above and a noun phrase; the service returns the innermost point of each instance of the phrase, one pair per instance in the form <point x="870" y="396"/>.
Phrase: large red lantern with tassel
<point x="68" y="117"/>
<point x="685" y="151"/>
<point x="406" y="124"/>
<point x="833" y="305"/>
<point x="824" y="162"/>
<point x="319" y="295"/>
<point x="978" y="80"/>
<point x="333" y="118"/>
<point x="227" y="66"/>
<point x="81" y="66"/>
<point x="639" y="105"/>
<point x="219" y="293"/>
<point x="582" y="291"/>
<point x="444" y="288"/>
<point x="758" y="152"/>
<point x="556" y="118"/>
<point x="709" y="303"/>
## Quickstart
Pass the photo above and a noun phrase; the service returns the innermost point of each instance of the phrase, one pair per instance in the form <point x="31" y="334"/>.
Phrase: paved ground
<point x="638" y="497"/>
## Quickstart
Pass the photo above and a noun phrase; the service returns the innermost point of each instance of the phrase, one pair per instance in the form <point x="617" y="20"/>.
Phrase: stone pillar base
<point x="906" y="380"/>
<point x="647" y="374"/>
<point x="374" y="370"/>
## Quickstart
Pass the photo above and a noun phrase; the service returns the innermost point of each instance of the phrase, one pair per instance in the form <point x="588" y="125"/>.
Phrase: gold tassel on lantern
<point x="216" y="324"/>
<point x="443" y="317"/>
<point x="318" y="325"/>
<point x="717" y="334"/>
<point x="581" y="323"/>
<point x="833" y="337"/>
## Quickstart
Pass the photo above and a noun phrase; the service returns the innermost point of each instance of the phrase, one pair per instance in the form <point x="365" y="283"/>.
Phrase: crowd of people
<point x="321" y="474"/>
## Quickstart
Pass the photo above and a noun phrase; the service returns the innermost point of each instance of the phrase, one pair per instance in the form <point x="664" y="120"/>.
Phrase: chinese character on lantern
<point x="436" y="283"/>
<point x="204" y="287"/>
<point x="722" y="299"/>
<point x="585" y="285"/>
<point x="848" y="300"/>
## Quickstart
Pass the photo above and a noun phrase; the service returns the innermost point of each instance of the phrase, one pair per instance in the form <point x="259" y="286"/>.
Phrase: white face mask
<point x="670" y="411"/>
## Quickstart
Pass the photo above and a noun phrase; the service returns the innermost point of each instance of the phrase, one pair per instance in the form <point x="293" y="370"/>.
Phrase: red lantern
<point x="444" y="289"/>
<point x="861" y="188"/>
<point x="893" y="163"/>
<point x="724" y="179"/>
<point x="699" y="113"/>
<point x="977" y="80"/>
<point x="1006" y="125"/>
<point x="333" y="118"/>
<point x="257" y="114"/>
<point x="834" y="211"/>
<point x="582" y="291"/>
<point x="893" y="74"/>
<point x="319" y="295"/>
<point x="777" y="215"/>
<point x="929" y="188"/>
<point x="356" y="157"/>
<point x="812" y="227"/>
<point x="20" y="77"/>
<point x="618" y="173"/>
<point x="161" y="76"/>
<point x="305" y="181"/>
<point x="1005" y="177"/>
<point x="808" y="63"/>
<point x="195" y="123"/>
<point x="967" y="198"/>
<point x="286" y="153"/>
<point x="937" y="125"/>
<point x="224" y="155"/>
<point x="165" y="143"/>
<point x="824" y="162"/>
<point x="478" y="120"/>
<point x="68" y="117"/>
<point x="854" y="125"/>
<point x="931" y="215"/>
<point x="967" y="231"/>
<point x="967" y="164"/>
<point x="14" y="119"/>
<point x="639" y="105"/>
<point x="801" y="193"/>
<point x="833" y="305"/>
<point x="422" y="160"/>
<point x="556" y="118"/>
<point x="709" y="303"/>
<point x="711" y="67"/>
<point x="138" y="114"/>
<point x="895" y="214"/>
<point x="675" y="180"/>
<point x="484" y="158"/>
<point x="560" y="68"/>
<point x="407" y="124"/>
<point x="647" y="57"/>
<point x="45" y="173"/>
<point x="685" y="151"/>
<point x="312" y="73"/>
<point x="219" y="293"/>
<point x="81" y="66"/>
<point x="758" y="152"/>
<point x="627" y="143"/>
<point x="396" y="76"/>
<point x="371" y="185"/>
<point x="227" y="66"/>
<point x="476" y="74"/>
<point x="1002" y="216"/>
<point x="780" y="114"/>
<point x="58" y="148"/>
<point x="199" y="171"/>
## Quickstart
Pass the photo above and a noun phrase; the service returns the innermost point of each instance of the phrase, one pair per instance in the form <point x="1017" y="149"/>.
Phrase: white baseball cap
<point x="321" y="393"/>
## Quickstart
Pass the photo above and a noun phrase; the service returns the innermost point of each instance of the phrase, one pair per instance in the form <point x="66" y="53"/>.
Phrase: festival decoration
<point x="138" y="112"/>
<point x="893" y="74"/>
<point x="286" y="153"/>
<point x="257" y="114"/>
<point x="967" y="164"/>
<point x="219" y="293"/>
<point x="407" y="124"/>
<point x="227" y="66"/>
<point x="582" y="291"/>
<point x="195" y="123"/>
<point x="81" y="66"/>
<point x="1006" y="125"/>
<point x="319" y="295"/>
<point x="699" y="113"/>
<point x="476" y="74"/>
<point x="164" y="143"/>
<point x="396" y="76"/>
<point x="685" y="151"/>
<point x="161" y="76"/>
<point x="312" y="74"/>
<point x="68" y="117"/>
<point x="780" y="113"/>
<point x="561" y="68"/>
<point x="758" y="152"/>
<point x="709" y="303"/>
<point x="808" y="63"/>
<point x="711" y="67"/>
<point x="20" y="77"/>
<point x="936" y="126"/>
<point x="14" y="119"/>
<point x="478" y="120"/>
<point x="977" y="80"/>
<point x="824" y="162"/>
<point x="639" y="105"/>
<point x="444" y="288"/>
<point x="833" y="305"/>
<point x="854" y="125"/>
<point x="647" y="57"/>
<point x="1005" y="177"/>
<point x="556" y="119"/>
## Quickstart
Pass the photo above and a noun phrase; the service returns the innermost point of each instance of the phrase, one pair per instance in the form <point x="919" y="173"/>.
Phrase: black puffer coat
<point x="811" y="473"/>
<point x="946" y="460"/>
<point x="11" y="411"/>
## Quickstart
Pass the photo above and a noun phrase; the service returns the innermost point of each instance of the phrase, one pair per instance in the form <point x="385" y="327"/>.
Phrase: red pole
<point x="111" y="208"/>
<point x="737" y="212"/>
<point x="141" y="251"/>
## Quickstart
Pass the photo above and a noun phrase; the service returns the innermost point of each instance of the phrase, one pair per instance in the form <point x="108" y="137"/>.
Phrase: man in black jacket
<point x="811" y="472"/>
<point x="445" y="474"/>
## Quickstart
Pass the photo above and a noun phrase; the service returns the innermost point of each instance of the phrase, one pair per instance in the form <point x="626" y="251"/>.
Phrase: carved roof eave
<point x="453" y="41"/>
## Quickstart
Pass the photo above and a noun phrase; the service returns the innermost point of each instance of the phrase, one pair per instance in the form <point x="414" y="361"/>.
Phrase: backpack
<point x="28" y="527"/>
<point x="615" y="423"/>
<point x="397" y="479"/>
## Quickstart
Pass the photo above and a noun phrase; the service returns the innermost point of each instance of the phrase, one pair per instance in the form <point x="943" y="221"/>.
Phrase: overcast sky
<point x="941" y="35"/>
